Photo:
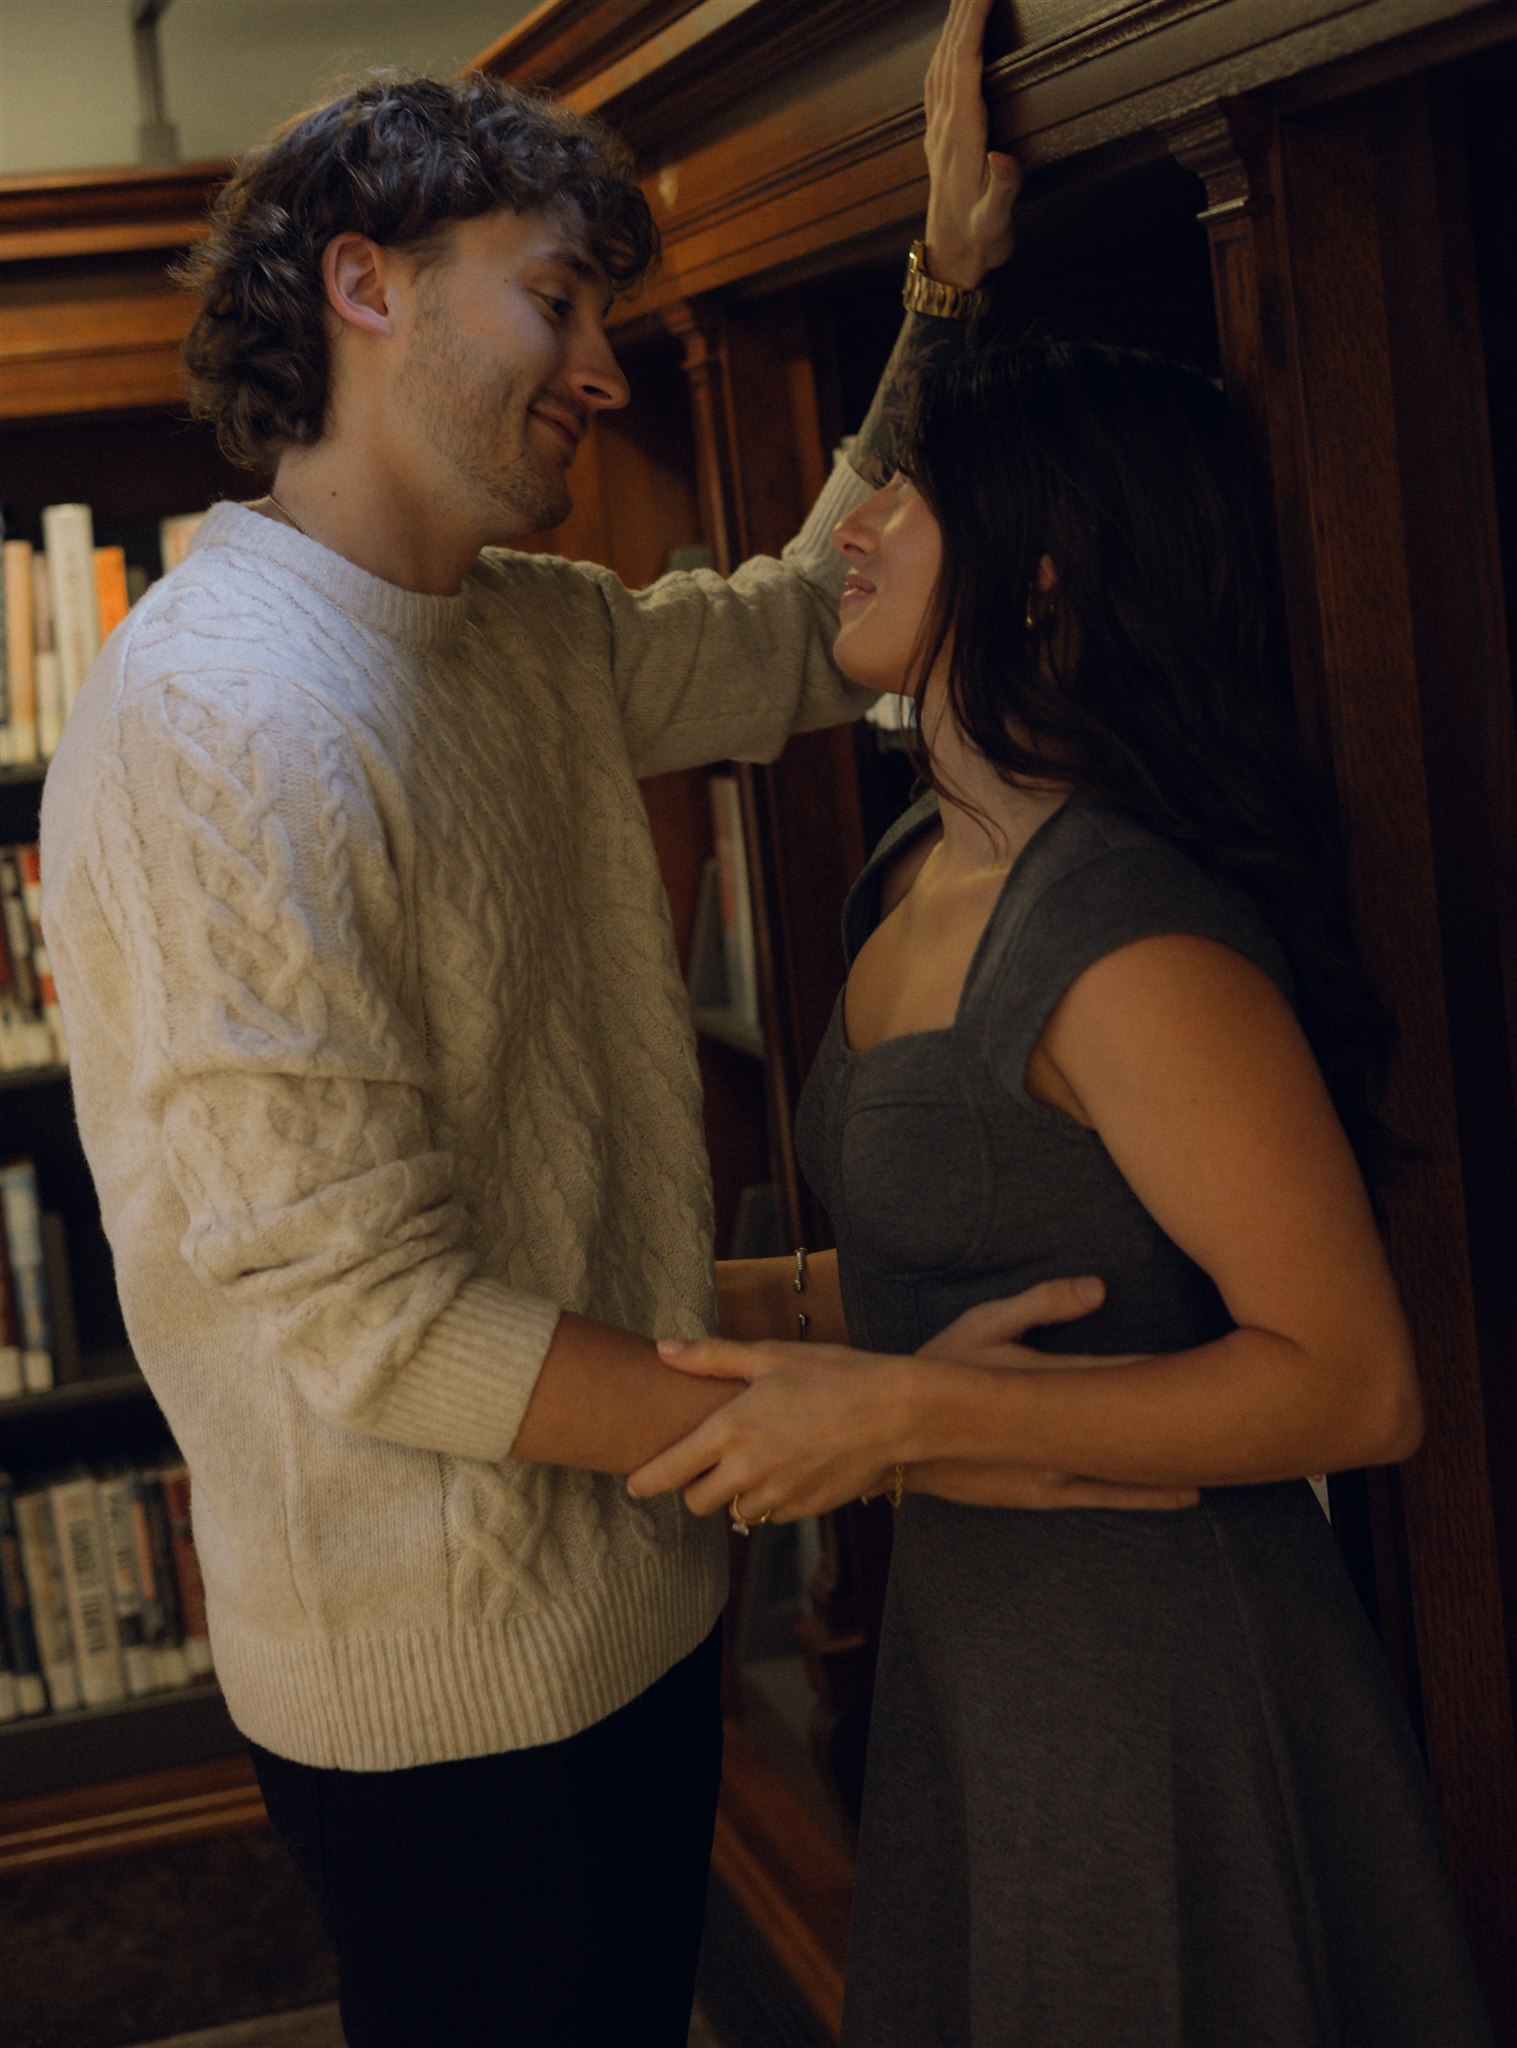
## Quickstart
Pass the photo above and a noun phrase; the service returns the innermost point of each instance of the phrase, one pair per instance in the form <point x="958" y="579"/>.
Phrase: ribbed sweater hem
<point x="384" y="1702"/>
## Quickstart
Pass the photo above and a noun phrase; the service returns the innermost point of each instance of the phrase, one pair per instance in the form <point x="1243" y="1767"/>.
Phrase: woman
<point x="1135" y="1778"/>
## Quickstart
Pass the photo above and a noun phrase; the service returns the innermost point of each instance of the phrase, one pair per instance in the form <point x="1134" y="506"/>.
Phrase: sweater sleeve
<point x="710" y="668"/>
<point x="258" y="925"/>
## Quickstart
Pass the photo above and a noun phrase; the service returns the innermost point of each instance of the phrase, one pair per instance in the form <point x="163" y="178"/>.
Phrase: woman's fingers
<point x="679" y="1464"/>
<point x="992" y="1324"/>
<point x="719" y="1358"/>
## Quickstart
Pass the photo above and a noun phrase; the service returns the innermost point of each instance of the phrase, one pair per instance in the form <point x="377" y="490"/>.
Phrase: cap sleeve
<point x="1102" y="895"/>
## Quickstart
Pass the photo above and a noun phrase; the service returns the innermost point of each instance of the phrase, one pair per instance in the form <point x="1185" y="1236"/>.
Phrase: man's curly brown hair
<point x="397" y="159"/>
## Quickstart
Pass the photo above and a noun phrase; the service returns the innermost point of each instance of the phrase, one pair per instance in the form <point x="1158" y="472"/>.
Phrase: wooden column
<point x="1350" y="338"/>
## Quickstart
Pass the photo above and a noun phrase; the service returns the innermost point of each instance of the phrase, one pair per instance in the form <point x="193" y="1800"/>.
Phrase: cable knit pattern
<point x="381" y="1060"/>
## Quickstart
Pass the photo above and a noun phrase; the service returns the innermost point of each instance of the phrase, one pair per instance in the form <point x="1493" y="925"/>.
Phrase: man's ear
<point x="359" y="276"/>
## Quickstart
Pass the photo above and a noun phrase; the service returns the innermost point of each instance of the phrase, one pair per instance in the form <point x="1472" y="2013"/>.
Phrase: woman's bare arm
<point x="1195" y="1074"/>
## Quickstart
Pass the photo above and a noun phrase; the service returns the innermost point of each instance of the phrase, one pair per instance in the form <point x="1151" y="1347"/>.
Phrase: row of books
<point x="31" y="1024"/>
<point x="58" y="605"/>
<point x="38" y="1343"/>
<point x="101" y="1598"/>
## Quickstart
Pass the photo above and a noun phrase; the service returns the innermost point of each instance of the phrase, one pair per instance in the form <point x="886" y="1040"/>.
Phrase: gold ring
<point x="763" y="1518"/>
<point x="739" y="1525"/>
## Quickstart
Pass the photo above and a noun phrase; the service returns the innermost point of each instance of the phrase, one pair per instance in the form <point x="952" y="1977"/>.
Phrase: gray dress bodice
<point x="1031" y="1195"/>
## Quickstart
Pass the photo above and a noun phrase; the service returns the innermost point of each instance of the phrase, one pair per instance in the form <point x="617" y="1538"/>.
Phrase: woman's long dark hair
<point x="1153" y="679"/>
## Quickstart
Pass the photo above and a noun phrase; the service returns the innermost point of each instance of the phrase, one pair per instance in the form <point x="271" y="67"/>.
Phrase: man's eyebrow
<point x="583" y="267"/>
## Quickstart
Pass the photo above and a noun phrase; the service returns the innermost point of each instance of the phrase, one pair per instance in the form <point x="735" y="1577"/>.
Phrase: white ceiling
<point x="231" y="68"/>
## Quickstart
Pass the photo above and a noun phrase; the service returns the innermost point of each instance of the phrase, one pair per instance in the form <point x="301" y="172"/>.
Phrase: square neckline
<point x="873" y="873"/>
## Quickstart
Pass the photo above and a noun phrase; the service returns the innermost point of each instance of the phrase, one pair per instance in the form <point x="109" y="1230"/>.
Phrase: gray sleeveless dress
<point x="1134" y="1781"/>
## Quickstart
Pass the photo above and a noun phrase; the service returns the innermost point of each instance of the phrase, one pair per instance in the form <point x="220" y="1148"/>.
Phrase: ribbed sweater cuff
<point x="466" y="1387"/>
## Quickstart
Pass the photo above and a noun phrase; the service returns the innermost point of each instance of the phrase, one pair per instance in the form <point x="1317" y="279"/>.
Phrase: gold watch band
<point x="922" y="293"/>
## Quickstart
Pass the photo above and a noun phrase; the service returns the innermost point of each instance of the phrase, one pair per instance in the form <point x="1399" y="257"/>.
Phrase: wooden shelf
<point x="31" y="1077"/>
<point x="54" y="1752"/>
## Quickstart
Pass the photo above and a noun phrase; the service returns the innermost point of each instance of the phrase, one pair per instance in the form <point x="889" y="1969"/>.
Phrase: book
<point x="87" y="1585"/>
<point x="16" y="1611"/>
<point x="161" y="1631"/>
<point x="35" y="1040"/>
<point x="47" y="667"/>
<point x="68" y="537"/>
<point x="68" y="1366"/>
<point x="43" y="1570"/>
<point x="21" y="1213"/>
<point x="29" y="865"/>
<point x="111" y="600"/>
<point x="5" y="661"/>
<point x="174" y="536"/>
<point x="12" y="1377"/>
<point x="21" y="652"/>
<point x="175" y="1481"/>
<point x="138" y="1665"/>
<point x="8" y="1707"/>
<point x="738" y="949"/>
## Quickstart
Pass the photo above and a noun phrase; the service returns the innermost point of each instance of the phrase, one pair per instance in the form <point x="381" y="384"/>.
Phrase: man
<point x="383" y="1068"/>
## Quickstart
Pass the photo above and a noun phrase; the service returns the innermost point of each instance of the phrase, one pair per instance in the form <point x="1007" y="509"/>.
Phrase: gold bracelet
<point x="923" y="293"/>
<point x="892" y="1492"/>
<point x="802" y="1320"/>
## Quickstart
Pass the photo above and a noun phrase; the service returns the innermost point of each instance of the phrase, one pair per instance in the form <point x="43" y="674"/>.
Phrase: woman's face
<point x="894" y="549"/>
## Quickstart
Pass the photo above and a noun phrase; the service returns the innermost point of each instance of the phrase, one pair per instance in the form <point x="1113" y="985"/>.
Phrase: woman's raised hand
<point x="972" y="188"/>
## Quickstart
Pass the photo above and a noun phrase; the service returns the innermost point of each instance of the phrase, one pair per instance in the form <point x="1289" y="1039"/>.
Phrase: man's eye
<point x="559" y="308"/>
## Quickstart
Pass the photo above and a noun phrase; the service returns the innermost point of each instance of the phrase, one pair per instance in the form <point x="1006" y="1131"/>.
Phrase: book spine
<point x="36" y="1039"/>
<point x="111" y="601"/>
<point x="45" y="1587"/>
<point x="29" y="862"/>
<point x="22" y="1215"/>
<point x="126" y="1588"/>
<point x="174" y="536"/>
<point x="151" y="1518"/>
<point x="175" y="1480"/>
<point x="5" y="660"/>
<point x="68" y="1366"/>
<point x="12" y="1375"/>
<point x="16" y="1611"/>
<point x="8" y="1707"/>
<point x="68" y="536"/>
<point x="91" y="1608"/>
<point x="736" y="903"/>
<point x="21" y="649"/>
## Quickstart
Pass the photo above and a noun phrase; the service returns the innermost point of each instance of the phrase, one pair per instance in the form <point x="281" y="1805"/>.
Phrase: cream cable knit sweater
<point x="381" y="1058"/>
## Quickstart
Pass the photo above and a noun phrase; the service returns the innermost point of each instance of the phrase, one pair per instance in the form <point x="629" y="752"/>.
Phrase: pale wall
<point x="232" y="68"/>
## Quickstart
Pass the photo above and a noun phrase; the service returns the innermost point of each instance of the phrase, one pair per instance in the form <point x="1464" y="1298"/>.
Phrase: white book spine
<point x="68" y="533"/>
<point x="50" y="702"/>
<point x="121" y="1559"/>
<point x="43" y="1570"/>
<point x="91" y="1608"/>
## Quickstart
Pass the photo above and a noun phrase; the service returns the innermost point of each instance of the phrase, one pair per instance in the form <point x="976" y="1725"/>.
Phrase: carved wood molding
<point x="1221" y="143"/>
<point x="91" y="213"/>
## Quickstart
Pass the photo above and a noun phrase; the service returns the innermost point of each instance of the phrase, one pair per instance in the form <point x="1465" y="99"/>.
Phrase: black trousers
<point x="544" y="1898"/>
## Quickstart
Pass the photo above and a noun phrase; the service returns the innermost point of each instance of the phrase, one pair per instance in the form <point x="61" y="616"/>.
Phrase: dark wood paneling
<point x="1349" y="335"/>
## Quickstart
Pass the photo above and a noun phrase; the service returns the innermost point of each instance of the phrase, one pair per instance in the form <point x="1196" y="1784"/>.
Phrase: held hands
<point x="821" y="1424"/>
<point x="972" y="189"/>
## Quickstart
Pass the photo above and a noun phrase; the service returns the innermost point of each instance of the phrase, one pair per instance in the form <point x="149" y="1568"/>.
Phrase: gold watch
<point x="923" y="293"/>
